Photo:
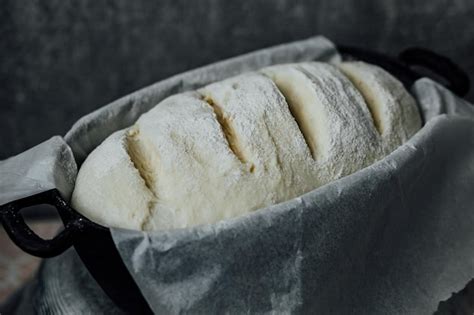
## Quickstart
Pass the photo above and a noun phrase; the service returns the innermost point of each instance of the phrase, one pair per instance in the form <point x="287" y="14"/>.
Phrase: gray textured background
<point x="62" y="59"/>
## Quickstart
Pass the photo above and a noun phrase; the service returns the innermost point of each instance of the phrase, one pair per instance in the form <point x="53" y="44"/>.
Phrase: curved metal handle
<point x="26" y="239"/>
<point x="457" y="80"/>
<point x="403" y="66"/>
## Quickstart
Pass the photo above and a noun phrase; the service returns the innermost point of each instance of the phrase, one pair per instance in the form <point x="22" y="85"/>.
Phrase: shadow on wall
<point x="62" y="60"/>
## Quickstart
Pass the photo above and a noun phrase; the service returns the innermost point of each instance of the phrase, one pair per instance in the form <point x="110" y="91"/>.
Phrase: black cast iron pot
<point x="94" y="242"/>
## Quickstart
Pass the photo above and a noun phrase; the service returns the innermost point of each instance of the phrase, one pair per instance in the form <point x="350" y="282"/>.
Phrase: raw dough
<point x="244" y="143"/>
<point x="394" y="111"/>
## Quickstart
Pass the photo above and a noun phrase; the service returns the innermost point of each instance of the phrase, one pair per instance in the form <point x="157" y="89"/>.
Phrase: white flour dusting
<point x="244" y="143"/>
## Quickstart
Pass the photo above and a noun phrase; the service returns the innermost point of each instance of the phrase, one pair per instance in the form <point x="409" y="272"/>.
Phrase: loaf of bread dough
<point x="244" y="143"/>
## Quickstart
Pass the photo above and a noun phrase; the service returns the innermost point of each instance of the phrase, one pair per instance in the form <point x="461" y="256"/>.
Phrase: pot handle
<point x="404" y="69"/>
<point x="456" y="79"/>
<point x="26" y="239"/>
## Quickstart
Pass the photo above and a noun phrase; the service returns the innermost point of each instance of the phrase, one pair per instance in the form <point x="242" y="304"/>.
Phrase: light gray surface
<point x="62" y="59"/>
<point x="393" y="238"/>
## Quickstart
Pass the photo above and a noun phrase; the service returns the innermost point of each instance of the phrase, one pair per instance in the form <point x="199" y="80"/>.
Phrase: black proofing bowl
<point x="94" y="242"/>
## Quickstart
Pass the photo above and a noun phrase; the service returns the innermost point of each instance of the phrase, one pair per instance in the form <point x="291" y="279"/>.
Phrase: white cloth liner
<point x="395" y="237"/>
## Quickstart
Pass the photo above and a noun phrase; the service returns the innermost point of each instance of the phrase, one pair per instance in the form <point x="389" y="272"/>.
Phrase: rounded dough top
<point x="244" y="143"/>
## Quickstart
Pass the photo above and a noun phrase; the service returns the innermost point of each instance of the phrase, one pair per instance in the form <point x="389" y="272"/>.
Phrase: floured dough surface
<point x="332" y="115"/>
<point x="188" y="160"/>
<point x="109" y="189"/>
<point x="393" y="109"/>
<point x="265" y="133"/>
<point x="244" y="143"/>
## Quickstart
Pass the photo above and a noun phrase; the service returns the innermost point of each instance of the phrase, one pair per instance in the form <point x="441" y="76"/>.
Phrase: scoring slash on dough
<point x="394" y="110"/>
<point x="244" y="143"/>
<point x="109" y="189"/>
